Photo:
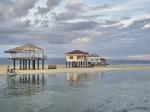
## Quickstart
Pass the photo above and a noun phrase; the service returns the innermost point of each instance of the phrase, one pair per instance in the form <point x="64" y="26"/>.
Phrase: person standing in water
<point x="8" y="69"/>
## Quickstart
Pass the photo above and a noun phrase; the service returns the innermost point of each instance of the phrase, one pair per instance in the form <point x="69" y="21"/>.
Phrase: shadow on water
<point x="25" y="84"/>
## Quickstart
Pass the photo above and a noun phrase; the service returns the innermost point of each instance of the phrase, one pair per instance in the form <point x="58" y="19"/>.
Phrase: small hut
<point x="95" y="59"/>
<point x="76" y="58"/>
<point x="28" y="55"/>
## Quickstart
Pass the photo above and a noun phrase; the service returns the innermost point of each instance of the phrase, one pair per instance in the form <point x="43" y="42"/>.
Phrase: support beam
<point x="29" y="64"/>
<point x="33" y="64"/>
<point x="42" y="63"/>
<point x="20" y="64"/>
<point x="66" y="64"/>
<point x="23" y="63"/>
<point x="14" y="64"/>
<point x="38" y="63"/>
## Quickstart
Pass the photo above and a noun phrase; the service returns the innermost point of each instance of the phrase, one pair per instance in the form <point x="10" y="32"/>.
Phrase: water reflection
<point x="26" y="84"/>
<point x="77" y="80"/>
<point x="76" y="92"/>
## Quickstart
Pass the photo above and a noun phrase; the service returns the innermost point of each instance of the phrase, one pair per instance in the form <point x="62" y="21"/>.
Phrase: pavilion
<point x="28" y="55"/>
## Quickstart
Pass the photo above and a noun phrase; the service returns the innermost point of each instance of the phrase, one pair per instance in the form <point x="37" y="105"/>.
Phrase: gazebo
<point x="27" y="55"/>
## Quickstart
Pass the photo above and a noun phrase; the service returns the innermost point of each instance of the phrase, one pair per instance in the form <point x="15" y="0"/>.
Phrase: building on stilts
<point x="27" y="56"/>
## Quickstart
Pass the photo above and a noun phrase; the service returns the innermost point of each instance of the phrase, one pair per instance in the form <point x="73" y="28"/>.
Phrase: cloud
<point x="106" y="28"/>
<point x="104" y="6"/>
<point x="76" y="5"/>
<point x="64" y="16"/>
<point x="50" y="4"/>
<point x="15" y="8"/>
<point x="147" y="26"/>
<point x="140" y="57"/>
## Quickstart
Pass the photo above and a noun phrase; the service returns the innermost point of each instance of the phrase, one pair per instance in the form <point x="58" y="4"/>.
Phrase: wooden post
<point x="69" y="64"/>
<point x="38" y="64"/>
<point x="66" y="64"/>
<point x="29" y="64"/>
<point x="72" y="64"/>
<point x="42" y="63"/>
<point x="14" y="63"/>
<point x="20" y="64"/>
<point x="79" y="64"/>
<point x="25" y="64"/>
<point x="33" y="62"/>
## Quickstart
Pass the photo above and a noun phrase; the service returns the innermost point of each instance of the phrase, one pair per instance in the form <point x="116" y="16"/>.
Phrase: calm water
<point x="126" y="91"/>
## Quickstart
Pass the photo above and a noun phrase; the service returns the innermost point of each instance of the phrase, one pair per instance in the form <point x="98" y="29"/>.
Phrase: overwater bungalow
<point x="28" y="56"/>
<point x="95" y="59"/>
<point x="76" y="58"/>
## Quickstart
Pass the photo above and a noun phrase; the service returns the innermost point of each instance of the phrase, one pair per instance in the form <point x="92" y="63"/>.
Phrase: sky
<point x="109" y="28"/>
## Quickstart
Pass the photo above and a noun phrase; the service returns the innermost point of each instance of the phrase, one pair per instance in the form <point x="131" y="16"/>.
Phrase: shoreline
<point x="63" y="69"/>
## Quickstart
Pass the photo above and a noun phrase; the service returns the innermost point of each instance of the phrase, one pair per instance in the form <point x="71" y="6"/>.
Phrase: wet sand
<point x="63" y="69"/>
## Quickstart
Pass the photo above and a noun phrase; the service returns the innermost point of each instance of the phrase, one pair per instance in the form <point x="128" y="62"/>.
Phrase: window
<point x="78" y="57"/>
<point x="71" y="57"/>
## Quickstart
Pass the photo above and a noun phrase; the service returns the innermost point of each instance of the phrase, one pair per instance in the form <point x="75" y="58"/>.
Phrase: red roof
<point x="77" y="52"/>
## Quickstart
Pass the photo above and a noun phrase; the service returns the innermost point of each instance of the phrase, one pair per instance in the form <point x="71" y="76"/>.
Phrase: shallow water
<point x="123" y="91"/>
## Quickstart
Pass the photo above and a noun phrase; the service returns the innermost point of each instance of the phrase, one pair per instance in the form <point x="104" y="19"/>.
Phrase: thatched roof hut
<point x="25" y="48"/>
<point x="27" y="54"/>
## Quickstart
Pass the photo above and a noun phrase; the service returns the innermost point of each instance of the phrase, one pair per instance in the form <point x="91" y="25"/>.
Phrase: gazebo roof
<point x="77" y="52"/>
<point x="26" y="47"/>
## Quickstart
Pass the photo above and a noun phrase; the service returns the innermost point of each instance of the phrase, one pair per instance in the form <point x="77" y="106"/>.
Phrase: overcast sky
<point x="110" y="28"/>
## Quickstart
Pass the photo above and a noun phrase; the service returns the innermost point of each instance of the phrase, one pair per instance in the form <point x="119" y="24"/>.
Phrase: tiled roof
<point x="77" y="52"/>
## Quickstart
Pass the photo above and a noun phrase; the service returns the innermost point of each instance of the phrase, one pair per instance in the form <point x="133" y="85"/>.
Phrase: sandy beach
<point x="63" y="69"/>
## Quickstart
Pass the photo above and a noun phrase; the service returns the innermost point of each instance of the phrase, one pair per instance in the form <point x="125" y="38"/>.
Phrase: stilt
<point x="38" y="64"/>
<point x="86" y="64"/>
<point x="66" y="64"/>
<point x="20" y="64"/>
<point x="14" y="63"/>
<point x="29" y="64"/>
<point x="69" y="64"/>
<point x="42" y="63"/>
<point x="23" y="63"/>
<point x="33" y="64"/>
